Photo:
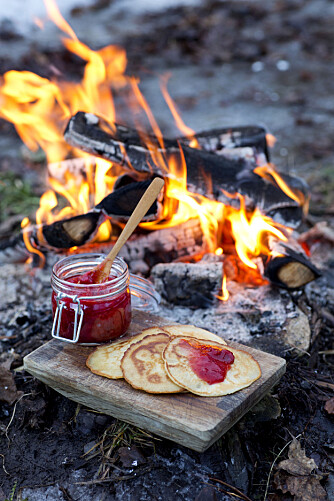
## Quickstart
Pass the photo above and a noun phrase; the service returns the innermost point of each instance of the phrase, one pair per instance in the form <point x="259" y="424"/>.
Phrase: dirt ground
<point x="247" y="62"/>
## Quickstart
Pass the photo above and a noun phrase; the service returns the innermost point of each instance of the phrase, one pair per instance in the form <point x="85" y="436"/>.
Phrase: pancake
<point x="192" y="331"/>
<point x="106" y="359"/>
<point x="182" y="353"/>
<point x="143" y="367"/>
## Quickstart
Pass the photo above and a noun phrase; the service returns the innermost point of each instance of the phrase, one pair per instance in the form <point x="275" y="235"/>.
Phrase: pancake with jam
<point x="143" y="366"/>
<point x="105" y="360"/>
<point x="209" y="369"/>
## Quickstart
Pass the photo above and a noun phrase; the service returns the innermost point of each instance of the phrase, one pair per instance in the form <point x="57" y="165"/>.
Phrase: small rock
<point x="131" y="457"/>
<point x="8" y="391"/>
<point x="297" y="332"/>
<point x="267" y="409"/>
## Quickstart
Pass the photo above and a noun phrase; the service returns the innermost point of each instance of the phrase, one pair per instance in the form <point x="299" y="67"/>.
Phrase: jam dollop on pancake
<point x="208" y="362"/>
<point x="179" y="362"/>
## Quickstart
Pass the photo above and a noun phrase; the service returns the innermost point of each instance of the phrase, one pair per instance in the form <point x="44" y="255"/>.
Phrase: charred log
<point x="184" y="242"/>
<point x="288" y="266"/>
<point x="117" y="206"/>
<point x="80" y="230"/>
<point x="249" y="143"/>
<point x="141" y="252"/>
<point x="122" y="202"/>
<point x="71" y="232"/>
<point x="124" y="146"/>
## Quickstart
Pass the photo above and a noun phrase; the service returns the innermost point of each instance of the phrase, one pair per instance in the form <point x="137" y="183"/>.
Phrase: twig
<point x="220" y="489"/>
<point x="3" y="464"/>
<point x="21" y="489"/>
<point x="272" y="466"/>
<point x="117" y="479"/>
<point x="326" y="352"/>
<point x="66" y="494"/>
<point x="330" y="386"/>
<point x="13" y="414"/>
<point x="240" y="494"/>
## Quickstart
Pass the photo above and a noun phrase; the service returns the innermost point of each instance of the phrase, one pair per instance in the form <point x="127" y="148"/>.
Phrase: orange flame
<point x="250" y="232"/>
<point x="224" y="292"/>
<point x="25" y="227"/>
<point x="178" y="120"/>
<point x="268" y="172"/>
<point x="40" y="108"/>
<point x="271" y="140"/>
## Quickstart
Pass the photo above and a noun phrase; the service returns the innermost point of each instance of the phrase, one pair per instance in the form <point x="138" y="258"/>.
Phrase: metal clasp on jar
<point x="78" y="317"/>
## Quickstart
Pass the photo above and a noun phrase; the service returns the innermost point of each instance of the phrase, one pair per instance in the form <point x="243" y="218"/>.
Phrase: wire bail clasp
<point x="78" y="317"/>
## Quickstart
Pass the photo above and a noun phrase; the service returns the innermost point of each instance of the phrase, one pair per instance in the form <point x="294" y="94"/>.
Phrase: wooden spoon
<point x="101" y="272"/>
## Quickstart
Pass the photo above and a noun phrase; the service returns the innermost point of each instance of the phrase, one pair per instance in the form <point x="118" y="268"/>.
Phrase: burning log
<point x="248" y="143"/>
<point x="181" y="243"/>
<point x="184" y="242"/>
<point x="79" y="230"/>
<point x="288" y="265"/>
<point x="228" y="175"/>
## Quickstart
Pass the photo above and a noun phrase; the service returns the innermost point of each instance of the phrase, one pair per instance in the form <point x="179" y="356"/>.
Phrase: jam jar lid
<point x="143" y="294"/>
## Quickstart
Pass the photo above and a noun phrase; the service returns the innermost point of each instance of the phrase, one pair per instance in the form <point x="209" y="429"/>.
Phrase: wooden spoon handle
<point x="144" y="204"/>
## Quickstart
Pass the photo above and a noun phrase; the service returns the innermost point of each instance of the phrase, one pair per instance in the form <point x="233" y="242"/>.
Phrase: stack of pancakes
<point x="157" y="360"/>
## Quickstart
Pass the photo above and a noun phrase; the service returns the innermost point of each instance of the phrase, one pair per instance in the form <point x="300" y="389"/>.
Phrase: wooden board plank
<point x="190" y="420"/>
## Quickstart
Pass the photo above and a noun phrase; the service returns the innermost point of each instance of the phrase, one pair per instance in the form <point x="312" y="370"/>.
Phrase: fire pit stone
<point x="188" y="284"/>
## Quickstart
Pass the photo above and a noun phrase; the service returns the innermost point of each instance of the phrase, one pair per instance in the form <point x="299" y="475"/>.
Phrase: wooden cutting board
<point x="190" y="420"/>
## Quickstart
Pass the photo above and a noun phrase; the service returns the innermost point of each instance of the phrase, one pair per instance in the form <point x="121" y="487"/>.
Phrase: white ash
<point x="257" y="316"/>
<point x="25" y="295"/>
<point x="250" y="314"/>
<point x="91" y="119"/>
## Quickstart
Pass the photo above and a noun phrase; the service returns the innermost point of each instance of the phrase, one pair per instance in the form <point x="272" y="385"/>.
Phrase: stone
<point x="297" y="332"/>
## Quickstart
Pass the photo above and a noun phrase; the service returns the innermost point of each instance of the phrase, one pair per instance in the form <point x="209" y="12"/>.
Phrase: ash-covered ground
<point x="231" y="63"/>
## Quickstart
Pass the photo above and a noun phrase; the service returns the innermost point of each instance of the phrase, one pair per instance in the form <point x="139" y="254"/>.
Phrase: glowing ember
<point x="271" y="140"/>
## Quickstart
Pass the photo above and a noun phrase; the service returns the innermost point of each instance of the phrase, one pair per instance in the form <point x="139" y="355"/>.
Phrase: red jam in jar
<point x="87" y="312"/>
<point x="209" y="363"/>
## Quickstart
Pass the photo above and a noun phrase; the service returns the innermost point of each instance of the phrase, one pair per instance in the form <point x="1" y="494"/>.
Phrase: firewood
<point x="228" y="176"/>
<point x="288" y="266"/>
<point x="78" y="230"/>
<point x="247" y="142"/>
<point x="182" y="243"/>
<point x="74" y="231"/>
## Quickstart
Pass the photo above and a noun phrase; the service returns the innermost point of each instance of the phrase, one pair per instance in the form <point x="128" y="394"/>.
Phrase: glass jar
<point x="89" y="313"/>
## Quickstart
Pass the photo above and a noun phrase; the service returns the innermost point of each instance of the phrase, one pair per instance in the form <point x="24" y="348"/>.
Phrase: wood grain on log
<point x="288" y="266"/>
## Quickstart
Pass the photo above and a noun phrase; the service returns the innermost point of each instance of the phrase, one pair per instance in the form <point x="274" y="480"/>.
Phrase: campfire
<point x="223" y="196"/>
